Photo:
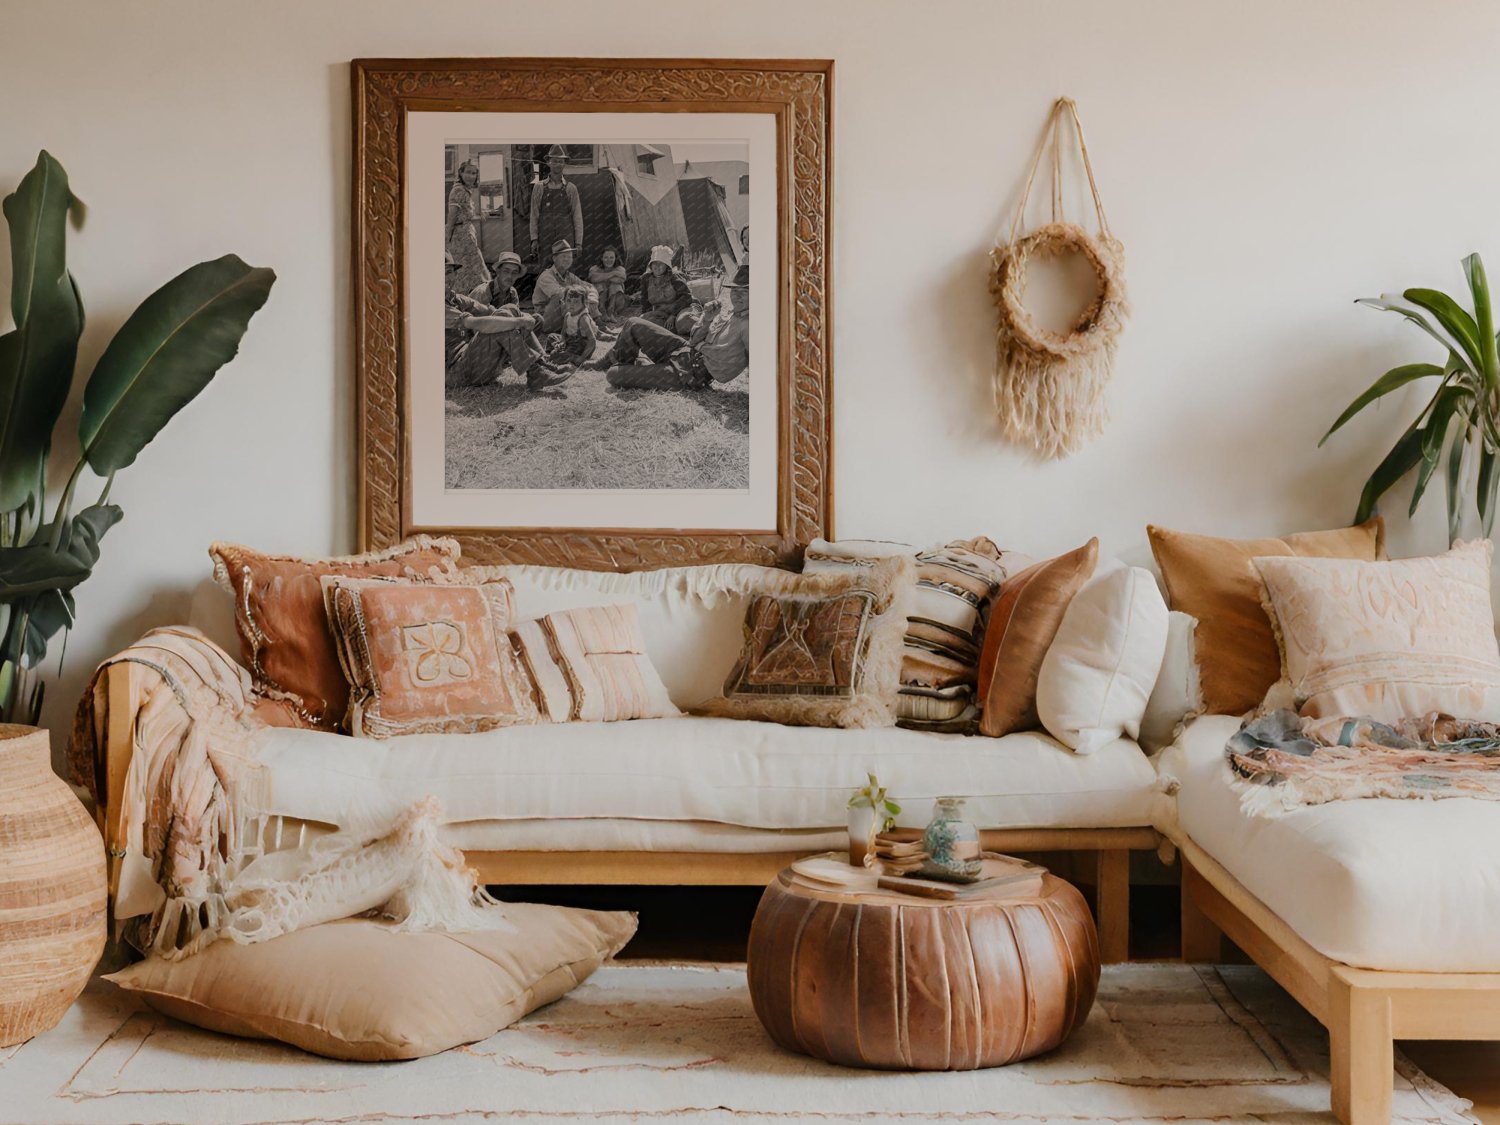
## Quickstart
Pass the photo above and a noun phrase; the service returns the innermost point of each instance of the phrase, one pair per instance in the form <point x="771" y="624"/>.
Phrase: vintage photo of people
<point x="597" y="313"/>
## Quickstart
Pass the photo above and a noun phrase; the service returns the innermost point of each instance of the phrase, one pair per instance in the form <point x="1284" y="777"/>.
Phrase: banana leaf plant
<point x="1457" y="427"/>
<point x="164" y="354"/>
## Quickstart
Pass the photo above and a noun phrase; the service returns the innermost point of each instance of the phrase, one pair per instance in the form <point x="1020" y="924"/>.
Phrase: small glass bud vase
<point x="951" y="843"/>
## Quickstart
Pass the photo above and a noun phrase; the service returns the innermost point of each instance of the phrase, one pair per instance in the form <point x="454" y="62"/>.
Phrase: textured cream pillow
<point x="1100" y="668"/>
<point x="590" y="666"/>
<point x="357" y="990"/>
<point x="1390" y="640"/>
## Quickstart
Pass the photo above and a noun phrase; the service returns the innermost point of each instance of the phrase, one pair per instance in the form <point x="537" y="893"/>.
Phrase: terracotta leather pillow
<point x="1215" y="581"/>
<point x="1023" y="622"/>
<point x="285" y="640"/>
<point x="357" y="990"/>
<point x="427" y="657"/>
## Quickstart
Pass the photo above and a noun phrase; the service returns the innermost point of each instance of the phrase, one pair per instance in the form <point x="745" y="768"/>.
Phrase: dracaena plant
<point x="1457" y="427"/>
<point x="162" y="356"/>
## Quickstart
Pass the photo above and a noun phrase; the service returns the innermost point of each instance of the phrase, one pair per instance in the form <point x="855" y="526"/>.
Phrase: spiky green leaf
<point x="168" y="351"/>
<point x="1448" y="403"/>
<point x="1489" y="461"/>
<point x="1455" y="320"/>
<point x="1484" y="317"/>
<point x="1392" y="380"/>
<point x="1402" y="458"/>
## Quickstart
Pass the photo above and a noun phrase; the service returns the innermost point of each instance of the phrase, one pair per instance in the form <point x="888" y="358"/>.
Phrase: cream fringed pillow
<point x="824" y="649"/>
<point x="357" y="990"/>
<point x="590" y="665"/>
<point x="426" y="657"/>
<point x="1388" y="640"/>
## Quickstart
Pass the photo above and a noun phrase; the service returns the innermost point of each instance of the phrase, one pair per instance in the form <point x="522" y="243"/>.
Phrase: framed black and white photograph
<point x="595" y="299"/>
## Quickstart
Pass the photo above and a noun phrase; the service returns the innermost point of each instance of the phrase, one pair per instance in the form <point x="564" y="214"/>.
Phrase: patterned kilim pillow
<point x="426" y="657"/>
<point x="956" y="583"/>
<point x="823" y="649"/>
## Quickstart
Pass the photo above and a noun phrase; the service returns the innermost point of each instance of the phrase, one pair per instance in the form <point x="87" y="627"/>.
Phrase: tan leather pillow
<point x="1214" y="580"/>
<point x="1023" y="622"/>
<point x="285" y="640"/>
<point x="427" y="657"/>
<point x="357" y="990"/>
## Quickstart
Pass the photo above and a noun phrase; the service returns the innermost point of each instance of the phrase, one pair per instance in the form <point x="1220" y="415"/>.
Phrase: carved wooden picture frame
<point x="389" y="98"/>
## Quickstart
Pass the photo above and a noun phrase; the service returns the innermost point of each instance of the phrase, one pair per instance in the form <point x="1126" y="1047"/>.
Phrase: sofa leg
<point x="1112" y="886"/>
<point x="1202" y="941"/>
<point x="1361" y="1052"/>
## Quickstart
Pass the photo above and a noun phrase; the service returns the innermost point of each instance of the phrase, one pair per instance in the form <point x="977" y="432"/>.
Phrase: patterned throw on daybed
<point x="1281" y="761"/>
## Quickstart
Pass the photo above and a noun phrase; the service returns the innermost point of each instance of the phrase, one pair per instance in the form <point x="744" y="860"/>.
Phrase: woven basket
<point x="52" y="889"/>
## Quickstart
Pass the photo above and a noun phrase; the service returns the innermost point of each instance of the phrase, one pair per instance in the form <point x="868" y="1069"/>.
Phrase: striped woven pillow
<point x="945" y="628"/>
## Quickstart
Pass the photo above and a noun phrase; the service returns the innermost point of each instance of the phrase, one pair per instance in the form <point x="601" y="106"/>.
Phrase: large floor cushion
<point x="730" y="771"/>
<point x="1379" y="884"/>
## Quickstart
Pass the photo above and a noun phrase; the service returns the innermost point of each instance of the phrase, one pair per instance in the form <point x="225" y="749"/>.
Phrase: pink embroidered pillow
<point x="590" y="665"/>
<point x="427" y="657"/>
<point x="1390" y="640"/>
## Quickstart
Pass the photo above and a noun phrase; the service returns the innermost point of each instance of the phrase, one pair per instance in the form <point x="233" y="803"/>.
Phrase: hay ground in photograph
<point x="587" y="434"/>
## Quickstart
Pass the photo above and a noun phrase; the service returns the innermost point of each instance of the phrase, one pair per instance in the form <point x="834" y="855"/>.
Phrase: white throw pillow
<point x="1099" y="672"/>
<point x="1178" y="694"/>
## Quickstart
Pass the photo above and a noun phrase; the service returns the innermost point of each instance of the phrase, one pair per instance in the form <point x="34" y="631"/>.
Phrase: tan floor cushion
<point x="358" y="990"/>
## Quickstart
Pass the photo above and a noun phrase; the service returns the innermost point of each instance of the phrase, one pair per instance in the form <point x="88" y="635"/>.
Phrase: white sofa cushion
<point x="730" y="771"/>
<point x="1379" y="884"/>
<point x="1101" y="665"/>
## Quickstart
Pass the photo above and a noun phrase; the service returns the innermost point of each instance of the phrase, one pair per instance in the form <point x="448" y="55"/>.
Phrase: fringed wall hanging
<point x="1049" y="386"/>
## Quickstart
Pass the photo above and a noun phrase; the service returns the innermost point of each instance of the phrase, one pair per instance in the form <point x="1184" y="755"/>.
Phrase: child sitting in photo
<point x="578" y="338"/>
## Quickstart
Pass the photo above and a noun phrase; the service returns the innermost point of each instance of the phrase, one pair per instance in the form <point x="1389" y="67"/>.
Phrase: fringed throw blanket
<point x="191" y="842"/>
<point x="1281" y="761"/>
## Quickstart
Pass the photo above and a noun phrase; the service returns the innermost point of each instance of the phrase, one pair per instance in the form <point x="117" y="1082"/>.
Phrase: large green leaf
<point x="1393" y="379"/>
<point x="37" y="356"/>
<point x="166" y="353"/>
<point x="1484" y="317"/>
<point x="1402" y="458"/>
<point x="1454" y="319"/>
<point x="35" y="568"/>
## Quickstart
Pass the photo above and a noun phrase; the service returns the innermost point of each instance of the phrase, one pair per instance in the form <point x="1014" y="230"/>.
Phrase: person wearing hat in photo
<point x="480" y="339"/>
<point x="546" y="298"/>
<point x="505" y="271"/>
<point x="556" y="212"/>
<point x="665" y="291"/>
<point x="716" y="350"/>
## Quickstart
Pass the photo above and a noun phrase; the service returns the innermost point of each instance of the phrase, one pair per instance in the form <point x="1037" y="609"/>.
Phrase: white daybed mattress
<point x="1378" y="884"/>
<point x="724" y="771"/>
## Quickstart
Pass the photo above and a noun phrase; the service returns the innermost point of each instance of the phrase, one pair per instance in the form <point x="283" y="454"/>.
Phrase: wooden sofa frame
<point x="1364" y="1010"/>
<point x="1111" y="846"/>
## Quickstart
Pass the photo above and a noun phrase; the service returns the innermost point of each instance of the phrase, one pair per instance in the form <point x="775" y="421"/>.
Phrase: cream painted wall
<point x="1264" y="164"/>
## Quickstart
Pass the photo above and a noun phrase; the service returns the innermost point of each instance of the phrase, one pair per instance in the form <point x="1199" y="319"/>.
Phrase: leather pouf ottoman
<point x="889" y="980"/>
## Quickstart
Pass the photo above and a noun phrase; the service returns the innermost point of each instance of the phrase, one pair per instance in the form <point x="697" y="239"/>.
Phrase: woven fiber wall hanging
<point x="1049" y="386"/>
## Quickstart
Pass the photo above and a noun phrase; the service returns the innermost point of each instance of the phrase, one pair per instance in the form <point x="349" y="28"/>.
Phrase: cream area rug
<point x="647" y="1042"/>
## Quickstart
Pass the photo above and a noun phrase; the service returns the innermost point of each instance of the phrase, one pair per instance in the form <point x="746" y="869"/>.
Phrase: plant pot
<point x="53" y="892"/>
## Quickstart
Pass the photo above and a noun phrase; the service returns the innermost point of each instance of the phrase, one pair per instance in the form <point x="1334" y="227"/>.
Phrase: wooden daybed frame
<point x="1364" y="1010"/>
<point x="1111" y="846"/>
